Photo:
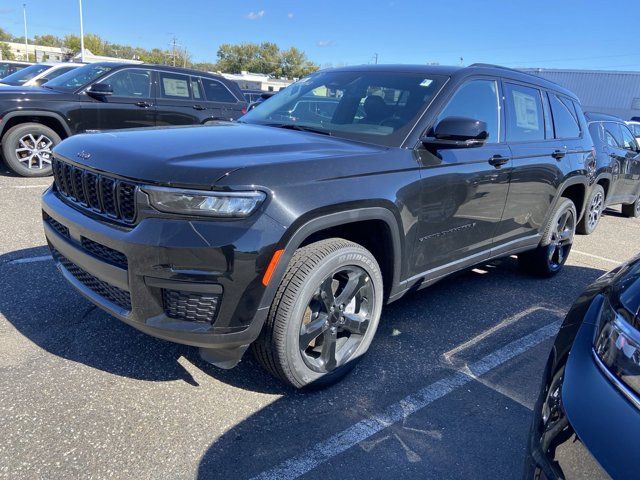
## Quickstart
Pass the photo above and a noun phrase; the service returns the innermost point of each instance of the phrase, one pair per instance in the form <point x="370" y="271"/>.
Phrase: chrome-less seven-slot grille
<point x="102" y="194"/>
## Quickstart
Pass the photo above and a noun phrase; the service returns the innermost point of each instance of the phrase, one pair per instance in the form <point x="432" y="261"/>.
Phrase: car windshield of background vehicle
<point x="375" y="107"/>
<point x="24" y="75"/>
<point x="78" y="77"/>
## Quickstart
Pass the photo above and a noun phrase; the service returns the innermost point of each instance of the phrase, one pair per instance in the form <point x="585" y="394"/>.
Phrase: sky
<point x="588" y="34"/>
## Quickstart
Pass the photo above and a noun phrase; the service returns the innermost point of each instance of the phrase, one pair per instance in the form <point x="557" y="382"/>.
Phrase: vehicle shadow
<point x="405" y="356"/>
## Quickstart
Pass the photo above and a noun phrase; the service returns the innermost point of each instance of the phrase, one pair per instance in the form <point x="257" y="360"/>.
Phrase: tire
<point x="632" y="210"/>
<point x="299" y="313"/>
<point x="32" y="140"/>
<point x="552" y="252"/>
<point x="595" y="207"/>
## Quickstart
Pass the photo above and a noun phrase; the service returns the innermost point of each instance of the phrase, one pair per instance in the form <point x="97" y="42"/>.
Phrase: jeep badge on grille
<point x="84" y="155"/>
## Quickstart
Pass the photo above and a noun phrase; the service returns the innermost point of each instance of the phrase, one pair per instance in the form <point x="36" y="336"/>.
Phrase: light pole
<point x="81" y="33"/>
<point x="26" y="42"/>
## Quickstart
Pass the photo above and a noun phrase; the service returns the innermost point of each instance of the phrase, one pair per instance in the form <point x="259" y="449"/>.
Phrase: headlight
<point x="198" y="202"/>
<point x="617" y="347"/>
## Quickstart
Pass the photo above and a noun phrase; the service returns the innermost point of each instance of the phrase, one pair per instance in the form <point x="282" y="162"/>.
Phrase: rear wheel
<point x="595" y="207"/>
<point x="632" y="210"/>
<point x="324" y="315"/>
<point x="27" y="149"/>
<point x="552" y="252"/>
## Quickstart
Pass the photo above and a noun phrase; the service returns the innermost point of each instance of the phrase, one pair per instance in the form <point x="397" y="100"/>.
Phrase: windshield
<point x="5" y="68"/>
<point x="79" y="77"/>
<point x="375" y="107"/>
<point x="22" y="76"/>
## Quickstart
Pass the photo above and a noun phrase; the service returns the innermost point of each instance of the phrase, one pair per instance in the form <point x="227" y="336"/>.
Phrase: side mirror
<point x="457" y="132"/>
<point x="100" y="89"/>
<point x="40" y="81"/>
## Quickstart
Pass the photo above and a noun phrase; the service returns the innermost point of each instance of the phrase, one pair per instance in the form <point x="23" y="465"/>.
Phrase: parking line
<point x="344" y="440"/>
<point x="604" y="259"/>
<point x="29" y="260"/>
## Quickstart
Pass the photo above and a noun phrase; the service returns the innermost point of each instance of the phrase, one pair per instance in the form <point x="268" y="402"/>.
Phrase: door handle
<point x="143" y="104"/>
<point x="199" y="107"/>
<point x="498" y="160"/>
<point x="558" y="154"/>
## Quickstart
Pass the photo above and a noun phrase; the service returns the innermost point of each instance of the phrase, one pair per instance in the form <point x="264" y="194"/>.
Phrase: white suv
<point x="36" y="75"/>
<point x="635" y="129"/>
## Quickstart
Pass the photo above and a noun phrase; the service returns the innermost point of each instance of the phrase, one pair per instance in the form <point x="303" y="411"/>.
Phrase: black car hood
<point x="199" y="155"/>
<point x="22" y="90"/>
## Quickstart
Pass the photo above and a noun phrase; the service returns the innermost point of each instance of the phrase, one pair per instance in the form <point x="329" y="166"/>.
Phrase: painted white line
<point x="342" y="441"/>
<point x="604" y="259"/>
<point x="29" y="260"/>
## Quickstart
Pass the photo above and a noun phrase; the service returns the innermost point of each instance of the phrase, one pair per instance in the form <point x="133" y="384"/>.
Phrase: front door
<point x="131" y="105"/>
<point x="463" y="190"/>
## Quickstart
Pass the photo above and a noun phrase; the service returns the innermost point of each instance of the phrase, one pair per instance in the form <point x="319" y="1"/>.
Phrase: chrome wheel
<point x="561" y="239"/>
<point x="336" y="319"/>
<point x="34" y="151"/>
<point x="595" y="210"/>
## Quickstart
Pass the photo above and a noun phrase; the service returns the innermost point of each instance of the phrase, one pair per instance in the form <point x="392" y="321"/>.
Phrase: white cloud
<point x="325" y="43"/>
<point x="290" y="15"/>
<point x="255" y="15"/>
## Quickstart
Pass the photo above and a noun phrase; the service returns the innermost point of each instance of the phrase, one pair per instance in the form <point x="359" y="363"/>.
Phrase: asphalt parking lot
<point x="446" y="391"/>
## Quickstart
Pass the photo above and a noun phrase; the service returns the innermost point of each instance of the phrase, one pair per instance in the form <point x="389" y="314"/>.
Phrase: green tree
<point x="6" y="52"/>
<point x="266" y="58"/>
<point x="72" y="42"/>
<point x="48" y="40"/>
<point x="5" y="36"/>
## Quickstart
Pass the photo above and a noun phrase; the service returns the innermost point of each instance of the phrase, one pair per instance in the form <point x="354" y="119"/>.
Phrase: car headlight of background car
<point x="200" y="202"/>
<point x="617" y="350"/>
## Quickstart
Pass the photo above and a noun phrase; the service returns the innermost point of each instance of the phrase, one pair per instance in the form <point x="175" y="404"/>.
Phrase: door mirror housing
<point x="457" y="132"/>
<point x="40" y="81"/>
<point x="100" y="90"/>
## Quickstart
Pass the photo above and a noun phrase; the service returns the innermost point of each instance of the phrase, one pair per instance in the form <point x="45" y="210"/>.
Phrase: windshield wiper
<point x="301" y="128"/>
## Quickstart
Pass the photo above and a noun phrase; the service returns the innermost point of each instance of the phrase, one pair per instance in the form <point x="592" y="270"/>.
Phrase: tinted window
<point x="548" y="123"/>
<point x="628" y="141"/>
<point x="613" y="129"/>
<point x="217" y="92"/>
<point x="174" y="86"/>
<point x="56" y="73"/>
<point x="22" y="76"/>
<point x="564" y="120"/>
<point x="635" y="128"/>
<point x="130" y="83"/>
<point x="196" y="89"/>
<point x="596" y="132"/>
<point x="477" y="99"/>
<point x="79" y="77"/>
<point x="525" y="114"/>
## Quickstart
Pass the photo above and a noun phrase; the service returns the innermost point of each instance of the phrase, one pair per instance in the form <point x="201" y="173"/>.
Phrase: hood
<point x="626" y="289"/>
<point x="199" y="155"/>
<point x="19" y="91"/>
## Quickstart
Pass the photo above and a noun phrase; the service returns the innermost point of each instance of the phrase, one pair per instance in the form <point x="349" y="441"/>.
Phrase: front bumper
<point x="128" y="272"/>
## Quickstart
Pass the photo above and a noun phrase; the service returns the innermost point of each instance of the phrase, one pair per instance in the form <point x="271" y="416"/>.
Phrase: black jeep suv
<point x="616" y="173"/>
<point x="289" y="231"/>
<point x="103" y="96"/>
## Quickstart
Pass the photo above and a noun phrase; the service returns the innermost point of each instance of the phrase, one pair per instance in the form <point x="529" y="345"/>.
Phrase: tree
<point x="48" y="40"/>
<point x="5" y="36"/>
<point x="72" y="42"/>
<point x="6" y="53"/>
<point x="266" y="58"/>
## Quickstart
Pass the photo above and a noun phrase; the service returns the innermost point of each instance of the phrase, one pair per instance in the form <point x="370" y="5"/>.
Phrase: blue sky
<point x="536" y="33"/>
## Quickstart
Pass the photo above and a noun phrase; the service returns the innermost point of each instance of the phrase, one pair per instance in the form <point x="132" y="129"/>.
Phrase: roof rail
<point x="491" y="65"/>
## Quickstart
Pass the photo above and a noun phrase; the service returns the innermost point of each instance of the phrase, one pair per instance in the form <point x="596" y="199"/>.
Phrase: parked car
<point x="9" y="67"/>
<point x="635" y="129"/>
<point x="103" y="96"/>
<point x="616" y="173"/>
<point x="258" y="100"/>
<point x="289" y="234"/>
<point x="587" y="418"/>
<point x="38" y="74"/>
<point x="252" y="95"/>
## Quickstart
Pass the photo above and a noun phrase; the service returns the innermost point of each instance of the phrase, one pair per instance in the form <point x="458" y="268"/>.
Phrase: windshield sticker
<point x="526" y="111"/>
<point x="426" y="82"/>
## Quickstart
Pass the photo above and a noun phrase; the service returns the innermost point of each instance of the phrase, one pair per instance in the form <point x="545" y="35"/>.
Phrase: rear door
<point x="537" y="166"/>
<point x="632" y="162"/>
<point x="176" y="102"/>
<point x="221" y="103"/>
<point x="462" y="193"/>
<point x="619" y="162"/>
<point x="132" y="103"/>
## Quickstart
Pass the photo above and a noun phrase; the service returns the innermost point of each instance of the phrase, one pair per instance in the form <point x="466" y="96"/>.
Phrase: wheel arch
<point x="52" y="120"/>
<point x="575" y="190"/>
<point x="352" y="224"/>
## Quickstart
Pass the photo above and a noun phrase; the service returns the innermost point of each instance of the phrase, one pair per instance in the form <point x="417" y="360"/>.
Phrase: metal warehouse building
<point x="615" y="93"/>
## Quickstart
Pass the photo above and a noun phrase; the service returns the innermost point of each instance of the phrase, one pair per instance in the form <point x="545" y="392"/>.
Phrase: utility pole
<point x="81" y="33"/>
<point x="375" y="58"/>
<point x="26" y="42"/>
<point x="173" y="50"/>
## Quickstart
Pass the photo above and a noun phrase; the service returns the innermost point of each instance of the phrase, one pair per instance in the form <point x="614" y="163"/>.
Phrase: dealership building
<point x="612" y="92"/>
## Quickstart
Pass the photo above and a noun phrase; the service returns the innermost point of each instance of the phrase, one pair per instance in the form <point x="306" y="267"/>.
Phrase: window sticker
<point x="426" y="82"/>
<point x="526" y="111"/>
<point x="175" y="87"/>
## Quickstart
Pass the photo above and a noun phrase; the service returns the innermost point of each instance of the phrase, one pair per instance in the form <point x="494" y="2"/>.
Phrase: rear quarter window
<point x="564" y="118"/>
<point x="216" y="91"/>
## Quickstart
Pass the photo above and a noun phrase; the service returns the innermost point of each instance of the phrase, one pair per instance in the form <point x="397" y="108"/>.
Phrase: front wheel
<point x="27" y="149"/>
<point x="552" y="252"/>
<point x="632" y="210"/>
<point x="324" y="315"/>
<point x="595" y="207"/>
